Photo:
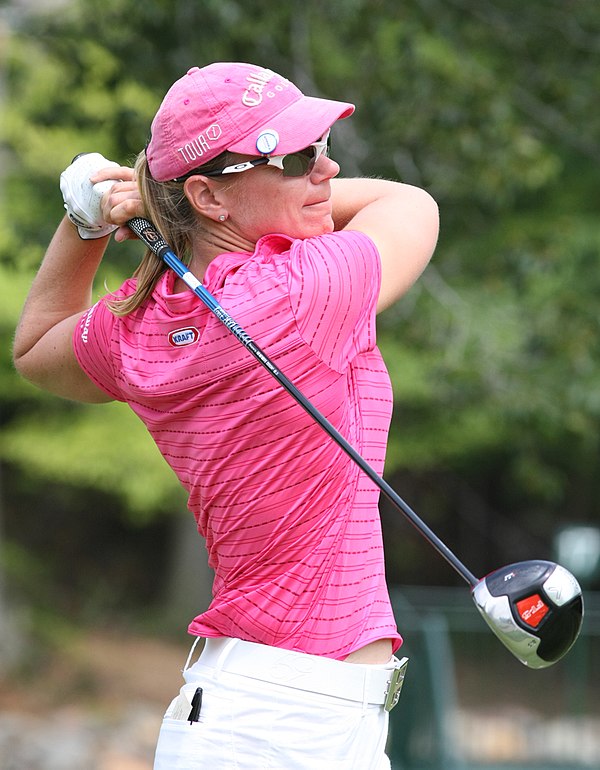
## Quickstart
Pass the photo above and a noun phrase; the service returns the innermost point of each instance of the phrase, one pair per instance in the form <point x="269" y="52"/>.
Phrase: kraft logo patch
<point x="182" y="337"/>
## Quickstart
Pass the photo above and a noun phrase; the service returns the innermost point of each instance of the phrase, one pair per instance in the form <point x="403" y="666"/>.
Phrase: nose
<point x="325" y="168"/>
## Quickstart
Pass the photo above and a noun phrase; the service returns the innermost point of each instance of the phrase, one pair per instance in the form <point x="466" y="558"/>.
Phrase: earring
<point x="222" y="217"/>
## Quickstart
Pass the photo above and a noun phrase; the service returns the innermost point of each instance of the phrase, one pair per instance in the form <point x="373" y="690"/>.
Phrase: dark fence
<point x="467" y="704"/>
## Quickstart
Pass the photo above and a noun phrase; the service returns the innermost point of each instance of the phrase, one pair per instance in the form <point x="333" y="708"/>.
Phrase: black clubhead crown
<point x="534" y="607"/>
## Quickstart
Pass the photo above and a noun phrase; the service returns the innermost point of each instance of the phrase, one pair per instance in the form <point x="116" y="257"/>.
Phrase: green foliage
<point x="99" y="447"/>
<point x="491" y="106"/>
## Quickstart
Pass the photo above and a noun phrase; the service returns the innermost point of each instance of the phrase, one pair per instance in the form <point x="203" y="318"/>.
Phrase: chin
<point x="323" y="227"/>
<point x="310" y="228"/>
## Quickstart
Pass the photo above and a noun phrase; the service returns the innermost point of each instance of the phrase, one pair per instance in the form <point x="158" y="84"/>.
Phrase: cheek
<point x="268" y="204"/>
<point x="272" y="212"/>
<point x="261" y="216"/>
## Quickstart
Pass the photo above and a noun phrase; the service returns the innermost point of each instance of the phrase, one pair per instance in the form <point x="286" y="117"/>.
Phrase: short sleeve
<point x="92" y="346"/>
<point x="334" y="286"/>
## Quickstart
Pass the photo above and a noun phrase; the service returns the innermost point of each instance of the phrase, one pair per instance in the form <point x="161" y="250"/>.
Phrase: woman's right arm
<point x="61" y="292"/>
<point x="402" y="221"/>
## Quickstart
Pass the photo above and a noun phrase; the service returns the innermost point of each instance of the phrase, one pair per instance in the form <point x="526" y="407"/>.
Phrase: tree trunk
<point x="189" y="579"/>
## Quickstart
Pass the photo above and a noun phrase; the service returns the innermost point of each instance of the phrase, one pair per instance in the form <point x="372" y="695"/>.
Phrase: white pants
<point x="246" y="723"/>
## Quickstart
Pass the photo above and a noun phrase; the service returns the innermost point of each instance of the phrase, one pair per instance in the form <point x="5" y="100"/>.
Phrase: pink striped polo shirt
<point x="291" y="524"/>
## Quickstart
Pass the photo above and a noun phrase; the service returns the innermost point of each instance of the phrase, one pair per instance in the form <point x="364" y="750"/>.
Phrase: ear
<point x="206" y="196"/>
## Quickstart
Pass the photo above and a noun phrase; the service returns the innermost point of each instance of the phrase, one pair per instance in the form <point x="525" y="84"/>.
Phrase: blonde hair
<point x="168" y="208"/>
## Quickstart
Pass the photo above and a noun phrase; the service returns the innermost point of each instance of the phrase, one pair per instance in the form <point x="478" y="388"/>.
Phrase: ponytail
<point x="168" y="208"/>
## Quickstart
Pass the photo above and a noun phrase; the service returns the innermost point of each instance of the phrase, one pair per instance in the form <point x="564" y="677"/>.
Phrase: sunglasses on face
<point x="298" y="163"/>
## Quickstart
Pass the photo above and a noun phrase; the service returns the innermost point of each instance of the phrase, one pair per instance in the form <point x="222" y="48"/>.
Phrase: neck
<point x="216" y="240"/>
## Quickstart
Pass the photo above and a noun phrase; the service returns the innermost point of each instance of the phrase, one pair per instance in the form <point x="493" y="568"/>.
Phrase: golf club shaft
<point x="148" y="234"/>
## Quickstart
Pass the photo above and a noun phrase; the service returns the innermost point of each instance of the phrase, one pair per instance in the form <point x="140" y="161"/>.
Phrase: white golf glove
<point x="82" y="198"/>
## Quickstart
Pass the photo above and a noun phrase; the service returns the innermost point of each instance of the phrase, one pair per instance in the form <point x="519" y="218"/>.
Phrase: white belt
<point x="365" y="683"/>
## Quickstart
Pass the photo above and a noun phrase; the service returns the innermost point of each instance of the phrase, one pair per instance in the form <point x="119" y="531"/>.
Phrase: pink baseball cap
<point x="238" y="107"/>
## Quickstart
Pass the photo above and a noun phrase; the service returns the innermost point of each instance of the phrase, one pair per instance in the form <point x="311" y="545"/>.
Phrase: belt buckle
<point x="392" y="693"/>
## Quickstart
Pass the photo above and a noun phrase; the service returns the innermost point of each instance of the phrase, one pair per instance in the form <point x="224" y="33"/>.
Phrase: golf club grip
<point x="150" y="236"/>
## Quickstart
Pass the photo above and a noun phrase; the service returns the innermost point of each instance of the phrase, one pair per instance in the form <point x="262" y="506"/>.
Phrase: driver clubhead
<point x="535" y="608"/>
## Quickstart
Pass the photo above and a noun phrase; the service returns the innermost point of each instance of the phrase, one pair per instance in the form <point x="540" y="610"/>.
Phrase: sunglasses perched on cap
<point x="298" y="163"/>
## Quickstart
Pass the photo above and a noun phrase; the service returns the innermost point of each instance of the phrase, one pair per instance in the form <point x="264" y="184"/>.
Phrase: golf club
<point x="534" y="607"/>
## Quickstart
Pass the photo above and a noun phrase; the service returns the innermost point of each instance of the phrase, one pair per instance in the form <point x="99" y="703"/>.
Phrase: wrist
<point x="86" y="234"/>
<point x="83" y="198"/>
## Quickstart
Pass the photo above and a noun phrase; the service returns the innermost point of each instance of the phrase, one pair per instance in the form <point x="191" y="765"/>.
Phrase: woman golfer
<point x="297" y="669"/>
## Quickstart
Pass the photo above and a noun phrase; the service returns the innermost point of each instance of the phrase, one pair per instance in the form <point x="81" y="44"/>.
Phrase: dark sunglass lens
<point x="297" y="163"/>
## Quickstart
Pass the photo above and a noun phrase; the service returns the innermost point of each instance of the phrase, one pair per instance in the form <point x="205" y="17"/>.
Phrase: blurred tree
<point x="494" y="353"/>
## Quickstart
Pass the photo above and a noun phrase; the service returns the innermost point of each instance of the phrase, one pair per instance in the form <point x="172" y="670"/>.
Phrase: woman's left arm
<point x="403" y="222"/>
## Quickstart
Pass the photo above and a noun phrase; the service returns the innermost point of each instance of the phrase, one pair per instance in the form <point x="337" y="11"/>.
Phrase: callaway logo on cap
<point x="238" y="107"/>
